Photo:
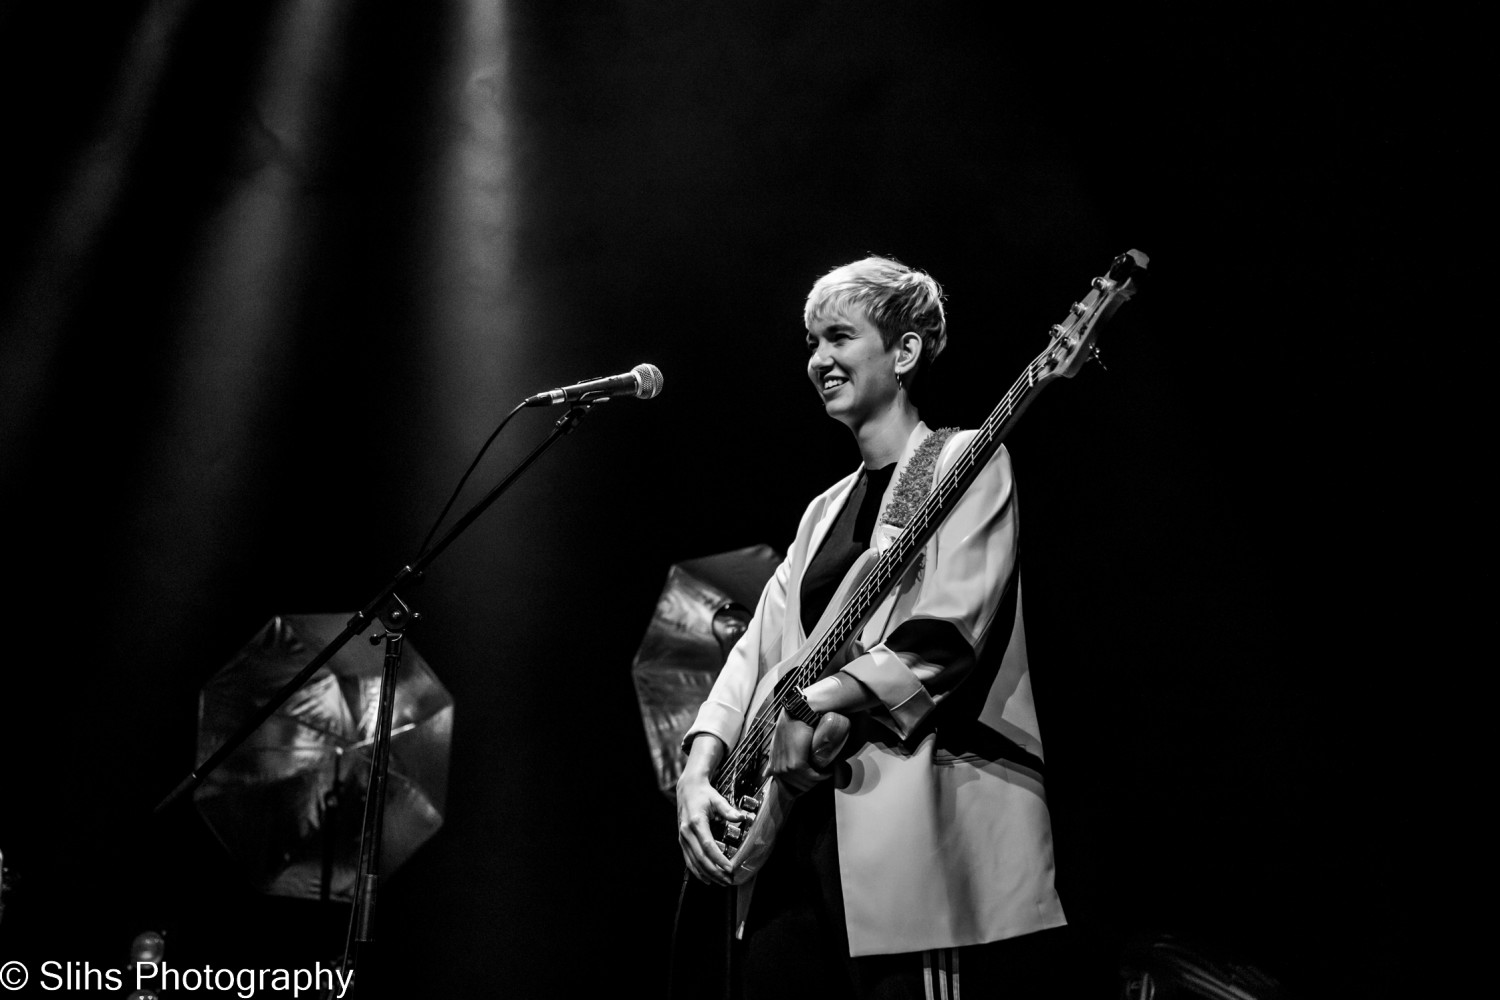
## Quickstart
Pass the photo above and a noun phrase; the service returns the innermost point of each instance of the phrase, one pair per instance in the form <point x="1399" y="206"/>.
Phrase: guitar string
<point x="753" y="744"/>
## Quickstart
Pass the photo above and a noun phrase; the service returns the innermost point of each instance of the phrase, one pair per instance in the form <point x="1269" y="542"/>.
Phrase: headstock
<point x="1073" y="339"/>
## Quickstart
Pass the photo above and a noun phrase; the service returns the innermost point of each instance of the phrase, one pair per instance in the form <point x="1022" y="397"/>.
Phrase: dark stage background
<point x="271" y="272"/>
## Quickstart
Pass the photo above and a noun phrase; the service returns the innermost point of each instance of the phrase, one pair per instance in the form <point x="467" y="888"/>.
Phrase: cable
<point x="465" y="478"/>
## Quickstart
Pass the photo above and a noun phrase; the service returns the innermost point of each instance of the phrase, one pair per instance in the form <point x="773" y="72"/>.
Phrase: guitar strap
<point x="916" y="482"/>
<point x="917" y="479"/>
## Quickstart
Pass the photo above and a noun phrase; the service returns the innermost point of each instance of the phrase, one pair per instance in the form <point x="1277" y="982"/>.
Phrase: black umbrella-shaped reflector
<point x="702" y="610"/>
<point x="288" y="803"/>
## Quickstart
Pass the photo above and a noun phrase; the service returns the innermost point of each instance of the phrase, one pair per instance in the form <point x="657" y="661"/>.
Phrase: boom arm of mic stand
<point x="371" y="611"/>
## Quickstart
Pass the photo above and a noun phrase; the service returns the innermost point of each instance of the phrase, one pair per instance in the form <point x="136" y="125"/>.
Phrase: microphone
<point x="642" y="382"/>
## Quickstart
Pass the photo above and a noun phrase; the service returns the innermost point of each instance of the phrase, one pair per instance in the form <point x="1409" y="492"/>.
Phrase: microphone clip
<point x="576" y="410"/>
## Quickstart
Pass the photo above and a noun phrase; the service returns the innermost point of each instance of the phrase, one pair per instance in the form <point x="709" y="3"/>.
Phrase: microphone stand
<point x="395" y="618"/>
<point x="395" y="614"/>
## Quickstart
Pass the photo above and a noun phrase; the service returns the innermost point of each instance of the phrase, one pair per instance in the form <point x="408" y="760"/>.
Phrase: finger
<point x="713" y="860"/>
<point x="699" y="864"/>
<point x="726" y="811"/>
<point x="694" y="867"/>
<point x="710" y="846"/>
<point x="690" y="839"/>
<point x="828" y="739"/>
<point x="790" y="747"/>
<point x="691" y="859"/>
<point x="705" y="875"/>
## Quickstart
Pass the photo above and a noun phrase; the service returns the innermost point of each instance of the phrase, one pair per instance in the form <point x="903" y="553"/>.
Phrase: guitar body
<point x="749" y="855"/>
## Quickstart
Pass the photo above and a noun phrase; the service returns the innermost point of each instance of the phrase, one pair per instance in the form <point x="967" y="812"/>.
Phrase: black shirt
<point x="847" y="538"/>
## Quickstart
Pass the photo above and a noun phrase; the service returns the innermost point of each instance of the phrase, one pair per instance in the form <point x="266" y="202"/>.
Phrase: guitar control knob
<point x="749" y="803"/>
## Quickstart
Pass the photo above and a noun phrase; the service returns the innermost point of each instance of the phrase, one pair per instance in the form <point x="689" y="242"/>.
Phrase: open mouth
<point x="832" y="382"/>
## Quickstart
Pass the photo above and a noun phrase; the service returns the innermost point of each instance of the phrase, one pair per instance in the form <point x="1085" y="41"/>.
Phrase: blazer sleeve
<point x="962" y="578"/>
<point x="723" y="711"/>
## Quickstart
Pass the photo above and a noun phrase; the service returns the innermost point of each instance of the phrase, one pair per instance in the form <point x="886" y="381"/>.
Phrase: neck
<point x="882" y="439"/>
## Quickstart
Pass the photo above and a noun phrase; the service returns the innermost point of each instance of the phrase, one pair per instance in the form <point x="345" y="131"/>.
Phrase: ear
<point x="908" y="352"/>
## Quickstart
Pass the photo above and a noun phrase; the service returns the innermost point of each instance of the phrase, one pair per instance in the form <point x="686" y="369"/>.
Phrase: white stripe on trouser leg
<point x="940" y="974"/>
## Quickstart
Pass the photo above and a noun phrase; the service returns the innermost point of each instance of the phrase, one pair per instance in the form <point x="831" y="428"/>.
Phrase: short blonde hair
<point x="893" y="297"/>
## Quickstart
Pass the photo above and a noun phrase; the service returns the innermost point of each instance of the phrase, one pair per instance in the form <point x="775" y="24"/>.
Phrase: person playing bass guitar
<point x="916" y="854"/>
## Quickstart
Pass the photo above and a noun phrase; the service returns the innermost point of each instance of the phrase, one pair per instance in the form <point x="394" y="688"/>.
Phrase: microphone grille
<point x="648" y="381"/>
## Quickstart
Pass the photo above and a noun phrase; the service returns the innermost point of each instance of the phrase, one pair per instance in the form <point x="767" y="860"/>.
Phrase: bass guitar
<point x="742" y="777"/>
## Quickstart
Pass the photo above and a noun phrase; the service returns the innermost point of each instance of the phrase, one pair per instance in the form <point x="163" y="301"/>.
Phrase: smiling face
<point x="850" y="366"/>
<point x="857" y="313"/>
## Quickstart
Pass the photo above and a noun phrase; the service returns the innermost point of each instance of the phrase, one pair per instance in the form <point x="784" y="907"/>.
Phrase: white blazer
<point x="944" y="841"/>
